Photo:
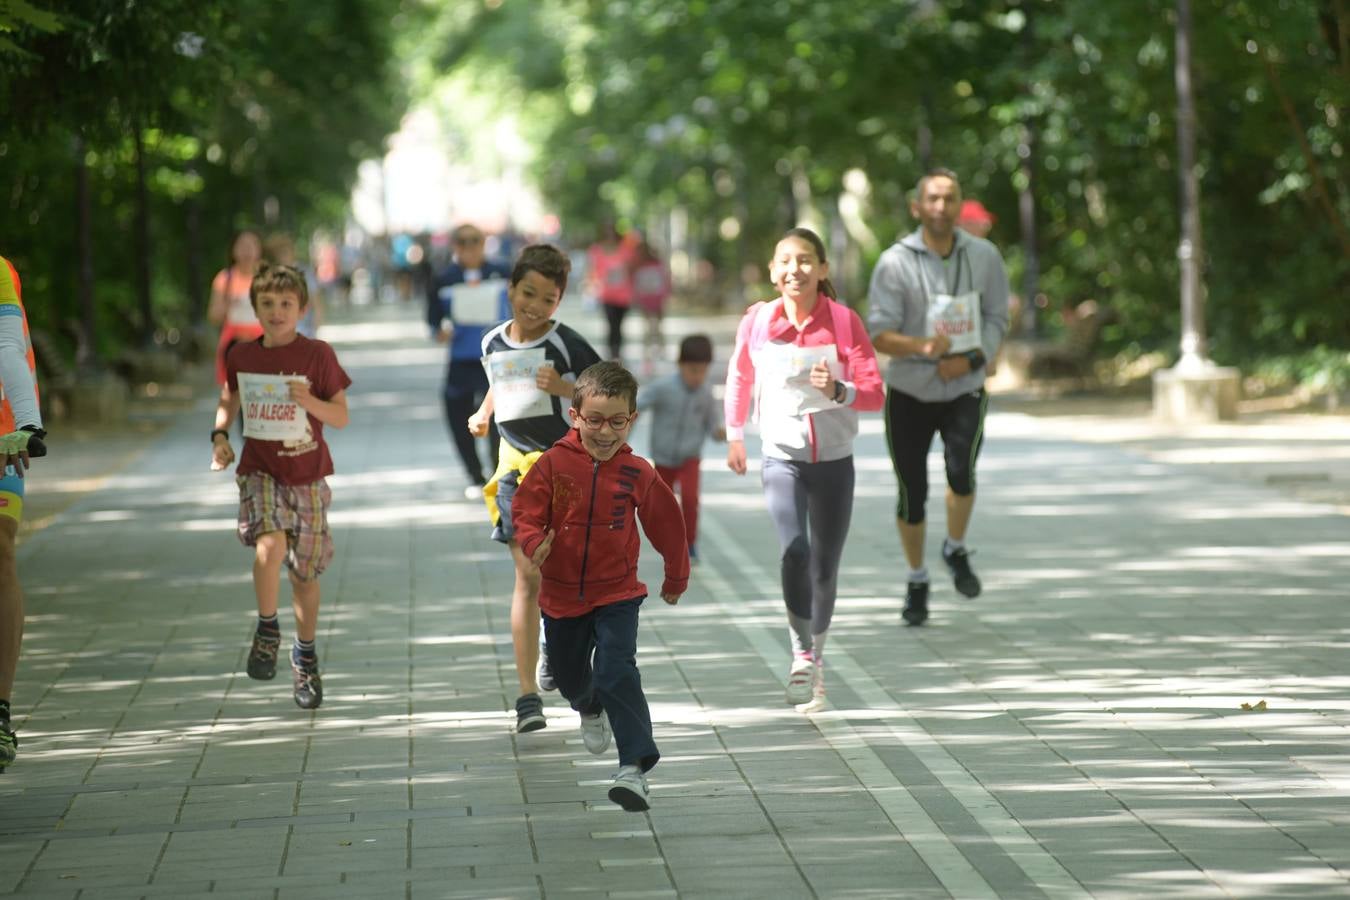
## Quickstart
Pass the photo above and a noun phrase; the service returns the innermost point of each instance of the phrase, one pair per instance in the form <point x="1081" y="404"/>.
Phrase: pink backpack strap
<point x="759" y="330"/>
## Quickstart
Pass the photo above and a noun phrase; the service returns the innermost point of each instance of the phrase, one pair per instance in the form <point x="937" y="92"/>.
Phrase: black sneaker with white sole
<point x="916" y="603"/>
<point x="959" y="563"/>
<point x="529" y="713"/>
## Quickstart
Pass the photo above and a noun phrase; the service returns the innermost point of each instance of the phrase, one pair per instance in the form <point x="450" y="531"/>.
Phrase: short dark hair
<point x="937" y="172"/>
<point x="696" y="348"/>
<point x="605" y="379"/>
<point x="273" y="278"/>
<point x="545" y="259"/>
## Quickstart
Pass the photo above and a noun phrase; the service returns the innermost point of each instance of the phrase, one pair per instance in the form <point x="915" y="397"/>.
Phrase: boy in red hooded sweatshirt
<point x="575" y="516"/>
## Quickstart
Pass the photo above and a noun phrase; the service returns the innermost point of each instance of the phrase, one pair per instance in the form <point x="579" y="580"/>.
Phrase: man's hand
<point x="821" y="379"/>
<point x="14" y="446"/>
<point x="936" y="347"/>
<point x="547" y="379"/>
<point x="543" y="550"/>
<point x="443" y="335"/>
<point x="478" y="423"/>
<point x="222" y="454"/>
<point x="672" y="599"/>
<point x="736" y="456"/>
<point x="950" y="367"/>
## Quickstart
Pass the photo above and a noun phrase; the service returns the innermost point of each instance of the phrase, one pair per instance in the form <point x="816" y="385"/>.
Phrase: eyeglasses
<point x="618" y="423"/>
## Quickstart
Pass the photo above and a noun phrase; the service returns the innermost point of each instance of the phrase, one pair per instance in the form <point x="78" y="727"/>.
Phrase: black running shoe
<point x="959" y="562"/>
<point x="916" y="603"/>
<point x="308" y="686"/>
<point x="529" y="713"/>
<point x="262" y="656"/>
<point x="9" y="746"/>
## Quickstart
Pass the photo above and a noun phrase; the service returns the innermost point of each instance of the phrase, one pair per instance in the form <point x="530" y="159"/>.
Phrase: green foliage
<point x="756" y="111"/>
<point x="237" y="104"/>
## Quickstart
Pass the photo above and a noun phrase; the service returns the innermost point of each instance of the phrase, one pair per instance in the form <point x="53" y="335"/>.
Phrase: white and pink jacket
<point x="817" y="436"/>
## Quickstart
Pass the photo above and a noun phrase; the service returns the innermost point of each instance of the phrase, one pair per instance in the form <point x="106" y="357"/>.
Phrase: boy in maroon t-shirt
<point x="288" y="387"/>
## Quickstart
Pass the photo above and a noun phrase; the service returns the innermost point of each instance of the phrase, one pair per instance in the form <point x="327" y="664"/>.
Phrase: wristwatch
<point x="35" y="430"/>
<point x="975" y="358"/>
<point x="840" y="392"/>
<point x="216" y="431"/>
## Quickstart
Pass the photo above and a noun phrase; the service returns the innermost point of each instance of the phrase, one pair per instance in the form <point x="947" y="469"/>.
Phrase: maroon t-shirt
<point x="302" y="461"/>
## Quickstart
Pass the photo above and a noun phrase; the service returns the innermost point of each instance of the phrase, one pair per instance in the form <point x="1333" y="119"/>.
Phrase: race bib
<point x="477" y="304"/>
<point x="514" y="393"/>
<point x="783" y="373"/>
<point x="958" y="317"/>
<point x="269" y="412"/>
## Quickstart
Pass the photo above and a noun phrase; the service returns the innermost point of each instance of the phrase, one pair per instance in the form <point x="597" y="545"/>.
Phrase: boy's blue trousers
<point x="613" y="684"/>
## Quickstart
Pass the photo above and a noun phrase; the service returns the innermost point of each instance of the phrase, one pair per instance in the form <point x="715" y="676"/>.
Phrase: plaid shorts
<point x="300" y="510"/>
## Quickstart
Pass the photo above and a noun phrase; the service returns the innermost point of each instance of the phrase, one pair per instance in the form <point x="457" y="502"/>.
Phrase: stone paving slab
<point x="1076" y="731"/>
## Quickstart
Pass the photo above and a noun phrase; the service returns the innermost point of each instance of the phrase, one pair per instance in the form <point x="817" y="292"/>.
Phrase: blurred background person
<point x="230" y="307"/>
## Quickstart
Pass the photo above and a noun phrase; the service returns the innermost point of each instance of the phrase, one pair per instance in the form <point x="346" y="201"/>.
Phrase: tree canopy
<point x="771" y="113"/>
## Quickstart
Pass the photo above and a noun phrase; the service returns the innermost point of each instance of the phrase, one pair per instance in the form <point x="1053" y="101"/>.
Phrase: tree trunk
<point x="1026" y="205"/>
<point x="1193" y="344"/>
<point x="86" y="346"/>
<point x="196" y="278"/>
<point x="1026" y="213"/>
<point x="143" y="240"/>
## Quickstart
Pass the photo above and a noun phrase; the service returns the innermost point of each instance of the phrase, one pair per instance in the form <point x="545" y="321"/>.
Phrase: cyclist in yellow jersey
<point x="20" y="432"/>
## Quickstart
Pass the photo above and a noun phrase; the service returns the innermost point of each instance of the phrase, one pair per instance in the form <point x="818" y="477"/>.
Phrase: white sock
<point x="799" y="633"/>
<point x="820" y="644"/>
<point x="951" y="545"/>
<point x="919" y="575"/>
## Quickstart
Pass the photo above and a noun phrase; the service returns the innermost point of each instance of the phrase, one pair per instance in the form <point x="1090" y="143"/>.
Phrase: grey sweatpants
<point x="811" y="505"/>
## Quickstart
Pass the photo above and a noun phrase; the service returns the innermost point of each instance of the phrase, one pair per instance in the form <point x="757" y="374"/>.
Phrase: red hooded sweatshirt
<point x="594" y="508"/>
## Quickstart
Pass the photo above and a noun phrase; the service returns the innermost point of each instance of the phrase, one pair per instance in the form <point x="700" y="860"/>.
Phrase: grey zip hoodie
<point x="898" y="301"/>
<point x="681" y="418"/>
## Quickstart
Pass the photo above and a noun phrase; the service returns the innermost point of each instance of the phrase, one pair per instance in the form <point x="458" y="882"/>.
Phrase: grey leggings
<point x="821" y="495"/>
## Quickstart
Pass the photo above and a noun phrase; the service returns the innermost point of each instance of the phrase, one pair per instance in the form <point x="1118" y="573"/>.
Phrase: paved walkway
<point x="1079" y="730"/>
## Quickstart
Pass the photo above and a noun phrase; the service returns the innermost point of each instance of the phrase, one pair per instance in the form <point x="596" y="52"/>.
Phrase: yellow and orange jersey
<point x="11" y="304"/>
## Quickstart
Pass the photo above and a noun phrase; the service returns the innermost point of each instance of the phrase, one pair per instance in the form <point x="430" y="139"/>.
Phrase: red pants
<point x="683" y="479"/>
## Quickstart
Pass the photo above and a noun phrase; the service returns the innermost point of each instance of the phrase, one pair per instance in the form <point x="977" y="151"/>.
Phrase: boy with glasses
<point x="576" y="517"/>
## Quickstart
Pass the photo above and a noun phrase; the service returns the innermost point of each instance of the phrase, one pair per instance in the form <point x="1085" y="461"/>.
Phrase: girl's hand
<point x="478" y="424"/>
<point x="672" y="599"/>
<point x="821" y="379"/>
<point x="736" y="456"/>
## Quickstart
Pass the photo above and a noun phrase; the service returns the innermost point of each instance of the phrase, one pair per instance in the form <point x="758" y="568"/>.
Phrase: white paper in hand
<point x="477" y="304"/>
<point x="958" y="317"/>
<point x="783" y="373"/>
<point x="514" y="393"/>
<point x="269" y="412"/>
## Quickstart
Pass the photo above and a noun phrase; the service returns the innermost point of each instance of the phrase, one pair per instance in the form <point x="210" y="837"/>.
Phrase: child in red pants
<point x="684" y="414"/>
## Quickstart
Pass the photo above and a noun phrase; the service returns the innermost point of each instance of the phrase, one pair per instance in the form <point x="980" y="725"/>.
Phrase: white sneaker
<point x="543" y="672"/>
<point x="817" y="701"/>
<point x="629" y="790"/>
<point x="595" y="732"/>
<point x="801" y="678"/>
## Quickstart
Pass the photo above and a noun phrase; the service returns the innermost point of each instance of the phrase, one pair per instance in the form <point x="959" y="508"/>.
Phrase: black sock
<point x="304" y="652"/>
<point x="268" y="625"/>
<point x="4" y="712"/>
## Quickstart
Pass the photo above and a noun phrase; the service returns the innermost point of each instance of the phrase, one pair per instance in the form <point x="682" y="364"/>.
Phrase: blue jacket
<point x="467" y="341"/>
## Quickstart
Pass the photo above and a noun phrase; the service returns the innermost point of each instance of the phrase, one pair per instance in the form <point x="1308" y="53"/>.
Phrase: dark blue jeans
<point x="613" y="685"/>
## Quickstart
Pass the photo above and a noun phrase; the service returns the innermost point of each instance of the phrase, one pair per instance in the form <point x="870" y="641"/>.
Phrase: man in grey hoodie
<point x="939" y="309"/>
